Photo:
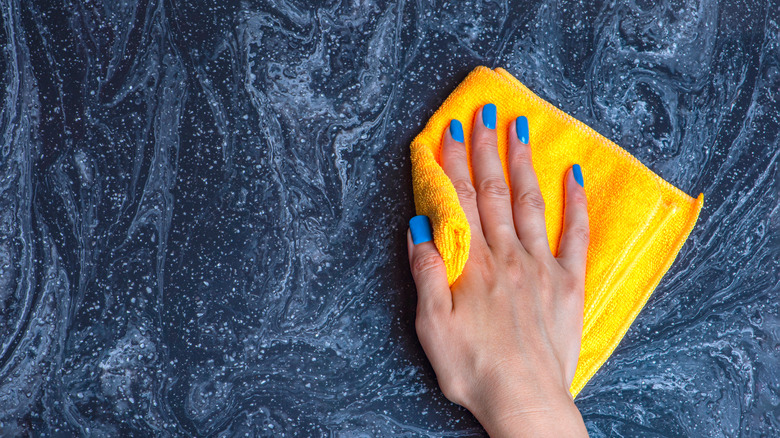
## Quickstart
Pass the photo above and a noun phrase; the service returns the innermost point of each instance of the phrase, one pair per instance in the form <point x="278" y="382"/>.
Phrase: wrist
<point x="531" y="405"/>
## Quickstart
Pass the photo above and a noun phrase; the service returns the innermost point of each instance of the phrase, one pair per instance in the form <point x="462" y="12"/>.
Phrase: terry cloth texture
<point x="638" y="221"/>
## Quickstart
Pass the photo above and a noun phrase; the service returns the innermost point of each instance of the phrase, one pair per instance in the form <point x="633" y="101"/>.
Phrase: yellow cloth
<point x="638" y="221"/>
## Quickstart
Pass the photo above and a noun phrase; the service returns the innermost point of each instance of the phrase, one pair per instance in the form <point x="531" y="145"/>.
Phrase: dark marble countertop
<point x="203" y="209"/>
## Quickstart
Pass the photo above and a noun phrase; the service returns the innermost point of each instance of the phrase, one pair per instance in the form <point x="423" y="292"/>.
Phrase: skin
<point x="505" y="338"/>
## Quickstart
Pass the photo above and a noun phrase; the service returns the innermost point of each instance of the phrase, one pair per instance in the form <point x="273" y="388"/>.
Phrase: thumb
<point x="428" y="270"/>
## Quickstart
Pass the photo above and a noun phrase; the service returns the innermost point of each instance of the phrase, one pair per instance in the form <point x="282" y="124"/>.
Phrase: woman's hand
<point x="505" y="338"/>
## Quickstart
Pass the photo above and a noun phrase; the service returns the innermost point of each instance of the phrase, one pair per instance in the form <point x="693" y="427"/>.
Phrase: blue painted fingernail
<point x="577" y="170"/>
<point x="489" y="116"/>
<point x="421" y="230"/>
<point x="456" y="130"/>
<point x="521" y="126"/>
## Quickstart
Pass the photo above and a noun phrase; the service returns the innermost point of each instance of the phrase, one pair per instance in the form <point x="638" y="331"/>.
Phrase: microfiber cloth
<point x="638" y="221"/>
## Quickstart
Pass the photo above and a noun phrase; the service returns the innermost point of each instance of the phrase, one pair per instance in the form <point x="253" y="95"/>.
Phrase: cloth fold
<point x="638" y="221"/>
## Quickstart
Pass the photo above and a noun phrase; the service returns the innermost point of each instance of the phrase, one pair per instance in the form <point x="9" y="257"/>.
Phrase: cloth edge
<point x="698" y="202"/>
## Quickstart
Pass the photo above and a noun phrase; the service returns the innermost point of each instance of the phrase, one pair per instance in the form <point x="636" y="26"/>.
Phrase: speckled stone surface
<point x="203" y="209"/>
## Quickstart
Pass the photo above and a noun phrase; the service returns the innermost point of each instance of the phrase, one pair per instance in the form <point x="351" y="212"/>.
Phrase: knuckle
<point x="465" y="190"/>
<point x="543" y="277"/>
<point x="486" y="141"/>
<point x="531" y="201"/>
<point x="573" y="285"/>
<point x="424" y="323"/>
<point x="511" y="254"/>
<point x="426" y="263"/>
<point x="580" y="199"/>
<point x="494" y="186"/>
<point x="514" y="263"/>
<point x="581" y="233"/>
<point x="429" y="312"/>
<point x="483" y="259"/>
<point x="508" y="236"/>
<point x="453" y="388"/>
<point x="521" y="157"/>
<point x="458" y="153"/>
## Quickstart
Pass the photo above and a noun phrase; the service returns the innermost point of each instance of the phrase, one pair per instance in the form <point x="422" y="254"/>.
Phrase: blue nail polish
<point x="521" y="126"/>
<point x="421" y="230"/>
<point x="456" y="130"/>
<point x="577" y="171"/>
<point x="489" y="116"/>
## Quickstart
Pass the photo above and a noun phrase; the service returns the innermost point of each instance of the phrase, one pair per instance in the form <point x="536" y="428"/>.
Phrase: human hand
<point x="504" y="340"/>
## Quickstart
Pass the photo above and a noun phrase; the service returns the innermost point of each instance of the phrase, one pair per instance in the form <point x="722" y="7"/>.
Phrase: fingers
<point x="573" y="250"/>
<point x="455" y="164"/>
<point x="430" y="275"/>
<point x="527" y="201"/>
<point x="493" y="201"/>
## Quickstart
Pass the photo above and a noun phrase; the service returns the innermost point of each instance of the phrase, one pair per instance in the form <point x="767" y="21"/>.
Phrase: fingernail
<point x="489" y="116"/>
<point x="420" y="227"/>
<point x="577" y="171"/>
<point x="521" y="126"/>
<point x="456" y="130"/>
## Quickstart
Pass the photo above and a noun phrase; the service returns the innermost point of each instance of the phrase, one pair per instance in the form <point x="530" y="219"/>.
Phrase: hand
<point x="505" y="338"/>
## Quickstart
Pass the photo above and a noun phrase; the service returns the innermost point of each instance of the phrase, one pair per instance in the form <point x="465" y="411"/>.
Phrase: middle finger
<point x="493" y="198"/>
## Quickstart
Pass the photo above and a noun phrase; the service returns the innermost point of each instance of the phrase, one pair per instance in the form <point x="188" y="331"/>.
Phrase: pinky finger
<point x="573" y="250"/>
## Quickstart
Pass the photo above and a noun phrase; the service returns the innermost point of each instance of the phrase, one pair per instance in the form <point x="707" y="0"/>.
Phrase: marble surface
<point x="203" y="208"/>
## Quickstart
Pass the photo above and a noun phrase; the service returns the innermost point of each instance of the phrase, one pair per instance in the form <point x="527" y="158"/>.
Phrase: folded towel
<point x="638" y="221"/>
